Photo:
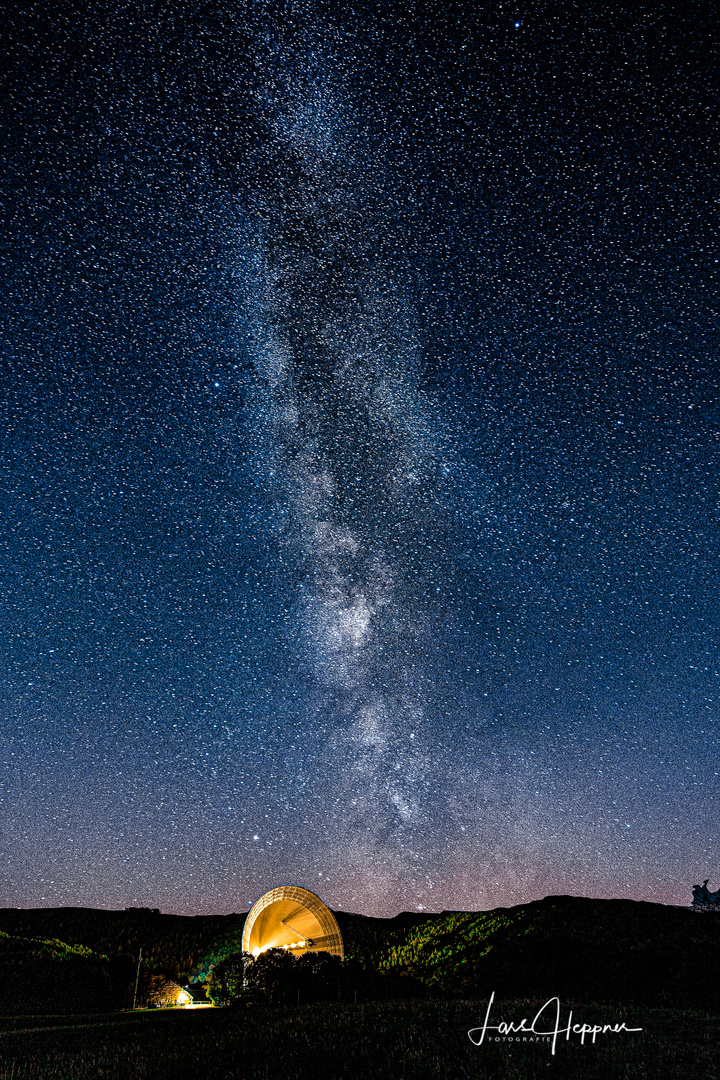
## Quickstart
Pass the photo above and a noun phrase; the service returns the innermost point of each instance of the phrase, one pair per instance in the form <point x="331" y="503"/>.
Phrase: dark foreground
<point x="392" y="1040"/>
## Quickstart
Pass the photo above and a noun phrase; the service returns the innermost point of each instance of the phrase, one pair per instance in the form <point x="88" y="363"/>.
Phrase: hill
<point x="599" y="950"/>
<point x="40" y="975"/>
<point x="175" y="946"/>
<point x="573" y="947"/>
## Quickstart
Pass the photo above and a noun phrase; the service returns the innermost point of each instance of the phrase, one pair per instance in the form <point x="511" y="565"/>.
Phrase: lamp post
<point x="137" y="977"/>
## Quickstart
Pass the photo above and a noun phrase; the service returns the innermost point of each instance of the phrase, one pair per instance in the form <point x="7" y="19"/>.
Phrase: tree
<point x="167" y="995"/>
<point x="151" y="986"/>
<point x="271" y="975"/>
<point x="225" y="979"/>
<point x="319" y="977"/>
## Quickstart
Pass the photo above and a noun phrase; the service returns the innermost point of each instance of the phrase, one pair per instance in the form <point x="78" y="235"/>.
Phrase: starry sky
<point x="359" y="475"/>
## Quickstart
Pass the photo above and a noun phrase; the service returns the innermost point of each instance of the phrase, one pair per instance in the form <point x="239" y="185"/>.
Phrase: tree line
<point x="279" y="977"/>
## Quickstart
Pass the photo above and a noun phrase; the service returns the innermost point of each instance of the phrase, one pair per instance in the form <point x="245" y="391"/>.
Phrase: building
<point x="293" y="918"/>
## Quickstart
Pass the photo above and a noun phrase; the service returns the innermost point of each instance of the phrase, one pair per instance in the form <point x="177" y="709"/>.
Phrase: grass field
<point x="396" y="1040"/>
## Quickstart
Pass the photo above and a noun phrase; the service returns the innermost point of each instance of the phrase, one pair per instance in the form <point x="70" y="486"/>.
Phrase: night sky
<point x="360" y="434"/>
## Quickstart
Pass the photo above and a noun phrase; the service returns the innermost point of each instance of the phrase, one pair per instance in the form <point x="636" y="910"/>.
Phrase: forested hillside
<point x="43" y="976"/>
<point x="173" y="945"/>
<point x="599" y="950"/>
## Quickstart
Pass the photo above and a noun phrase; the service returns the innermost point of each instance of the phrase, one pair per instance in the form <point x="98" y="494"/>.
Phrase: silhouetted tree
<point x="271" y="976"/>
<point x="225" y="981"/>
<point x="318" y="977"/>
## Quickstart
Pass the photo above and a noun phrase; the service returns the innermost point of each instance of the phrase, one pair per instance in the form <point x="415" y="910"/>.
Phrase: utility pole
<point x="137" y="978"/>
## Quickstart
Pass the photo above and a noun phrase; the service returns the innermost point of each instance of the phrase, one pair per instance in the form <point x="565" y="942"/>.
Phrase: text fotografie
<point x="536" y="1028"/>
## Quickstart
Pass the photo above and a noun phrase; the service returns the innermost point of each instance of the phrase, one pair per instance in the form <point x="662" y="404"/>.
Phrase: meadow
<point x="391" y="1040"/>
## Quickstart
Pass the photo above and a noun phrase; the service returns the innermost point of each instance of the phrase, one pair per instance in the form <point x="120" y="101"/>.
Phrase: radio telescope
<point x="290" y="917"/>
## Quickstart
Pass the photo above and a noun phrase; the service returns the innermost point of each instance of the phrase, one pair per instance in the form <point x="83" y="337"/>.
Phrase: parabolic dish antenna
<point x="292" y="918"/>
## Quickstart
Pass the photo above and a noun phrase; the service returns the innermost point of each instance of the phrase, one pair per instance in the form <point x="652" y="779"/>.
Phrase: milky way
<point x="360" y="501"/>
<point x="349" y="446"/>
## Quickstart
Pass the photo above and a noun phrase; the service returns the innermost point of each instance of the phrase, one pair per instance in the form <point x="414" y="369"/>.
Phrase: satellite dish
<point x="290" y="917"/>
